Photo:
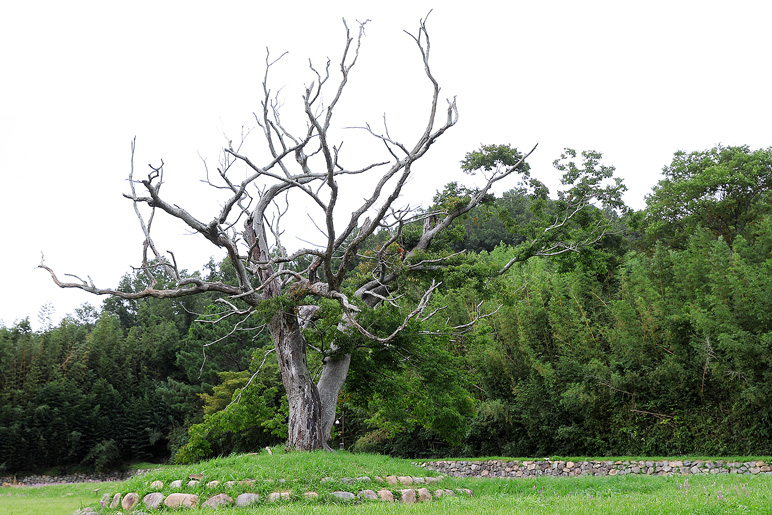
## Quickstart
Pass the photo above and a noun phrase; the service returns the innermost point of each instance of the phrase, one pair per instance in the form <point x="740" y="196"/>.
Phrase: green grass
<point x="303" y="471"/>
<point x="52" y="500"/>
<point x="298" y="468"/>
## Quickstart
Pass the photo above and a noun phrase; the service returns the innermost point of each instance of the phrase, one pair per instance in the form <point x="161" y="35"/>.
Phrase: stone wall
<point x="44" y="480"/>
<point x="533" y="468"/>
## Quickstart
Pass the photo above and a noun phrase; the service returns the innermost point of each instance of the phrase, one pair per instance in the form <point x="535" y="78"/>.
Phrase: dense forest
<point x="657" y="340"/>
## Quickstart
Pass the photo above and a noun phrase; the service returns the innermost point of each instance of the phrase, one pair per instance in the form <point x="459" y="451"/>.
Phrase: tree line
<point x="653" y="340"/>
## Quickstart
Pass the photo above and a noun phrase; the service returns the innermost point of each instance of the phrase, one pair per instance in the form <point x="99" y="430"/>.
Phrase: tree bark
<point x="305" y="421"/>
<point x="334" y="375"/>
<point x="330" y="383"/>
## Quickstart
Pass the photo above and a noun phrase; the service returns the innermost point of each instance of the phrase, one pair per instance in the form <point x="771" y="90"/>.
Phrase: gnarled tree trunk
<point x="305" y="406"/>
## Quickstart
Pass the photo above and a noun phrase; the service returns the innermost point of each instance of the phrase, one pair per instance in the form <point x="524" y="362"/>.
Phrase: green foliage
<point x="239" y="417"/>
<point x="104" y="456"/>
<point x="209" y="348"/>
<point x="724" y="190"/>
<point x="591" y="180"/>
<point x="411" y="385"/>
<point x="600" y="350"/>
<point x="671" y="357"/>
<point x="497" y="222"/>
<point x="452" y="198"/>
<point x="494" y="157"/>
<point x="102" y="389"/>
<point x="581" y="227"/>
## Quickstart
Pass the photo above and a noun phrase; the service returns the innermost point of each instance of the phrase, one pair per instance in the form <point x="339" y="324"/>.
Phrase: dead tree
<point x="248" y="228"/>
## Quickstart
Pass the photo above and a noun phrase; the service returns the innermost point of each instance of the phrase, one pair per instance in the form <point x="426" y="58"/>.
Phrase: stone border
<point x="157" y="500"/>
<point x="534" y="468"/>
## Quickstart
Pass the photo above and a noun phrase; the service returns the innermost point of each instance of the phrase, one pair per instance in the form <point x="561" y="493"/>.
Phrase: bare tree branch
<point x="248" y="226"/>
<point x="189" y="286"/>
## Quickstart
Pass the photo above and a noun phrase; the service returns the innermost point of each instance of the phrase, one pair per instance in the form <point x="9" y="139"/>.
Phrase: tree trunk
<point x="305" y="421"/>
<point x="333" y="376"/>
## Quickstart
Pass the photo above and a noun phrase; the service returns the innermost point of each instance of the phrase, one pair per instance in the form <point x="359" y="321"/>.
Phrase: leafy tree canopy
<point x="722" y="189"/>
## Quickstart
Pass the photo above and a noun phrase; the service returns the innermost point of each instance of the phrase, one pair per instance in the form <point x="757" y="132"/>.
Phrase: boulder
<point x="217" y="501"/>
<point x="311" y="495"/>
<point x="246" y="499"/>
<point x="157" y="485"/>
<point x="392" y="480"/>
<point x="424" y="495"/>
<point x="405" y="480"/>
<point x="153" y="501"/>
<point x="178" y="500"/>
<point x="278" y="496"/>
<point x="130" y="501"/>
<point x="368" y="494"/>
<point x="175" y="484"/>
<point x="407" y="496"/>
<point x="212" y="484"/>
<point x="115" y="502"/>
<point x="344" y="496"/>
<point x="385" y="495"/>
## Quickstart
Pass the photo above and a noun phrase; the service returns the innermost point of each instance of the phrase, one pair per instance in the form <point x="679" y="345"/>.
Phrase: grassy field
<point x="52" y="500"/>
<point x="302" y="472"/>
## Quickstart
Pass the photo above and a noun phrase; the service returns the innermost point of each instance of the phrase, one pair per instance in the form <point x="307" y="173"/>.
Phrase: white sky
<point x="78" y="80"/>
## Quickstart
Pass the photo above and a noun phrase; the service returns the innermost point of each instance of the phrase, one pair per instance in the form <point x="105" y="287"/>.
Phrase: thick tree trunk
<point x="305" y="420"/>
<point x="333" y="376"/>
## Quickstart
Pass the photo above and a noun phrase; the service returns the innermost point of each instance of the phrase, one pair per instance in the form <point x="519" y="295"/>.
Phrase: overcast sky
<point x="634" y="80"/>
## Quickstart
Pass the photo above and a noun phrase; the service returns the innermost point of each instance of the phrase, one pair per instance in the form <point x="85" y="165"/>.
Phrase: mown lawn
<point x="302" y="472"/>
<point x="52" y="500"/>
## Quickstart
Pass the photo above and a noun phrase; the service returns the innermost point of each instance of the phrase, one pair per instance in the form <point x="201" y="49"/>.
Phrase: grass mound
<point x="301" y="472"/>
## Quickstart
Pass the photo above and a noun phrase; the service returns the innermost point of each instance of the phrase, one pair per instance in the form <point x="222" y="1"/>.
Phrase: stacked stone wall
<point x="559" y="468"/>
